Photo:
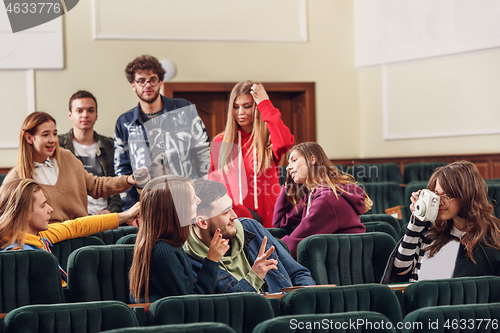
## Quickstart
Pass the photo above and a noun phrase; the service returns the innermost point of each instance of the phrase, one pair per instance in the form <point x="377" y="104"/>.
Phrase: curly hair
<point x="144" y="63"/>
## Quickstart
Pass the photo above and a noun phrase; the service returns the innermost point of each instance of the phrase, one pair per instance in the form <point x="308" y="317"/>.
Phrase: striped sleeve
<point x="409" y="250"/>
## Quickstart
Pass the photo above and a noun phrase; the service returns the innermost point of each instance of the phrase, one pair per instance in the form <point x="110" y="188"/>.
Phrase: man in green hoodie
<point x="255" y="260"/>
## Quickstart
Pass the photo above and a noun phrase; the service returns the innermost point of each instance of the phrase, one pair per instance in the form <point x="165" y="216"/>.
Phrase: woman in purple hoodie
<point x="318" y="198"/>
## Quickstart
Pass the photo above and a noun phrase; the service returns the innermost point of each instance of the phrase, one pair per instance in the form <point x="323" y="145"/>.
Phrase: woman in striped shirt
<point x="463" y="241"/>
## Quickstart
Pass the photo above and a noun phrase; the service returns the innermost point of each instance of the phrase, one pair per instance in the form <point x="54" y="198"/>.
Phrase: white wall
<point x="98" y="66"/>
<point x="349" y="103"/>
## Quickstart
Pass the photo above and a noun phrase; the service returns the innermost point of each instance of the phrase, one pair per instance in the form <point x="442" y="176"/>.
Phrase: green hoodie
<point x="236" y="264"/>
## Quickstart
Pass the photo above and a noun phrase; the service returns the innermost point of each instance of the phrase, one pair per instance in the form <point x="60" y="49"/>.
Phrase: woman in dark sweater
<point x="160" y="266"/>
<point x="464" y="240"/>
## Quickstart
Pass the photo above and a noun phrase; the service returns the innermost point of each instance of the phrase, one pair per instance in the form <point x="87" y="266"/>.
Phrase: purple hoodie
<point x="328" y="214"/>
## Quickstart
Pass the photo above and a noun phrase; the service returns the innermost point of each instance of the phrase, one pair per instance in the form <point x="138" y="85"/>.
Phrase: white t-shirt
<point x="87" y="154"/>
<point x="46" y="173"/>
<point x="442" y="264"/>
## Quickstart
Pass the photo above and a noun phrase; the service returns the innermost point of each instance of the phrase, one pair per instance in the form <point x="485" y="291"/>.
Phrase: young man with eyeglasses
<point x="166" y="135"/>
<point x="95" y="151"/>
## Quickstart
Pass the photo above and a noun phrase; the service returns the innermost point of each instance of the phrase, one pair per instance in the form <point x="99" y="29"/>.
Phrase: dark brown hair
<point x="144" y="63"/>
<point x="161" y="219"/>
<point x="461" y="180"/>
<point x="208" y="191"/>
<point x="82" y="94"/>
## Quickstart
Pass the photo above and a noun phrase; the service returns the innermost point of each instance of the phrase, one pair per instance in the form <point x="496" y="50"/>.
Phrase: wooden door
<point x="295" y="100"/>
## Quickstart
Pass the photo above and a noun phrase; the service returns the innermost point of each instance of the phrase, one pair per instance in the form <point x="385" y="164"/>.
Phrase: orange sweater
<point x="80" y="227"/>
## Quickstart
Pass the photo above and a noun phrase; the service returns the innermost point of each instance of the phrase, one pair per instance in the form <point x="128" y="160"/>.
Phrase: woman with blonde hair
<point x="318" y="198"/>
<point x="59" y="172"/>
<point x="464" y="240"/>
<point x="246" y="155"/>
<point x="160" y="266"/>
<point x="25" y="213"/>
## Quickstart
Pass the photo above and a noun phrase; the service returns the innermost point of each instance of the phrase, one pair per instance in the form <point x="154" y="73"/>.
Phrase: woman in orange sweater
<point x="58" y="171"/>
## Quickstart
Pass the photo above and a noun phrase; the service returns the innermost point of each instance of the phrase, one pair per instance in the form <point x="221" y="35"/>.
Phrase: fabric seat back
<point x="29" y="277"/>
<point x="494" y="197"/>
<point x="384" y="195"/>
<point x="420" y="171"/>
<point x="86" y="317"/>
<point x="455" y="291"/>
<point x="331" y="322"/>
<point x="127" y="239"/>
<point x="345" y="259"/>
<point x="179" y="328"/>
<point x="99" y="273"/>
<point x="282" y="175"/>
<point x="280" y="232"/>
<point x="382" y="227"/>
<point x="377" y="173"/>
<point x="413" y="187"/>
<point x="362" y="297"/>
<point x="381" y="217"/>
<point x="454" y="318"/>
<point x="63" y="249"/>
<point x="241" y="311"/>
<point x="111" y="236"/>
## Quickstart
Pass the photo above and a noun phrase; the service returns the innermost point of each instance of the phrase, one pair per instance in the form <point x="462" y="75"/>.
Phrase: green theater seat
<point x="111" y="236"/>
<point x="454" y="318"/>
<point x="420" y="171"/>
<point x="377" y="173"/>
<point x="381" y="217"/>
<point x="455" y="291"/>
<point x="179" y="328"/>
<point x="29" y="277"/>
<point x="86" y="317"/>
<point x="63" y="249"/>
<point x="345" y="259"/>
<point x="364" y="321"/>
<point x="99" y="273"/>
<point x="361" y="297"/>
<point x="381" y="226"/>
<point x="384" y="195"/>
<point x="241" y="311"/>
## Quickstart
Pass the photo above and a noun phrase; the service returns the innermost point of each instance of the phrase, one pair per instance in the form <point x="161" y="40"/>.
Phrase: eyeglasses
<point x="152" y="81"/>
<point x="445" y="199"/>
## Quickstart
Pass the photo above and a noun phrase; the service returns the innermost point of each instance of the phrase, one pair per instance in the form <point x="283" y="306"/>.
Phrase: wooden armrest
<point x="395" y="211"/>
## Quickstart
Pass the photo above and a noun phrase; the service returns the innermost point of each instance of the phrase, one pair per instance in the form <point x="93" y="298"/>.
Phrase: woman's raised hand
<point x="414" y="198"/>
<point x="258" y="93"/>
<point x="218" y="247"/>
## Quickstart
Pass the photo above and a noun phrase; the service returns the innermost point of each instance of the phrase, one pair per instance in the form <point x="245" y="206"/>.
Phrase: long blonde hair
<point x="319" y="173"/>
<point x="26" y="154"/>
<point x="16" y="206"/>
<point x="260" y="138"/>
<point x="161" y="219"/>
